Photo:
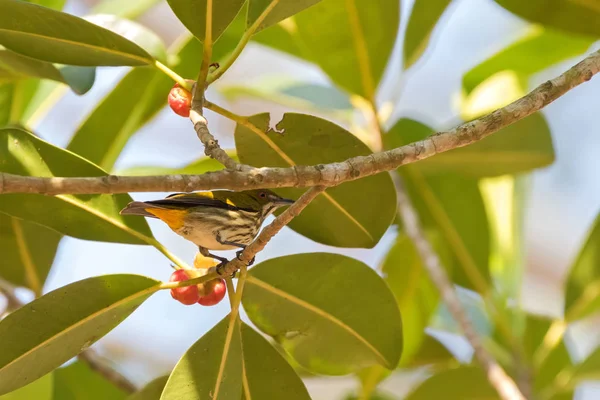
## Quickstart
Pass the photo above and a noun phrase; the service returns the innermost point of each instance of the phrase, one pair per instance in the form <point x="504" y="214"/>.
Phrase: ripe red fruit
<point x="180" y="100"/>
<point x="185" y="295"/>
<point x="212" y="292"/>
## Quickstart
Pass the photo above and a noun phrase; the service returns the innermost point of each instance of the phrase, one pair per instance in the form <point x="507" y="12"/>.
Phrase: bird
<point x="213" y="220"/>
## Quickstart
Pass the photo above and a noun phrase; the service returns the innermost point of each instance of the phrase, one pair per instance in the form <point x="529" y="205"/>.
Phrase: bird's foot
<point x="238" y="254"/>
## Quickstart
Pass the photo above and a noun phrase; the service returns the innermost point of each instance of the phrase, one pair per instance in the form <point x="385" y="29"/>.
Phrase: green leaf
<point x="80" y="79"/>
<point x="432" y="352"/>
<point x="14" y="100"/>
<point x="520" y="147"/>
<point x="151" y="391"/>
<point x="473" y="304"/>
<point x="45" y="333"/>
<point x="133" y="31"/>
<point x="582" y="17"/>
<point x="456" y="384"/>
<point x="130" y="9"/>
<point x="282" y="37"/>
<point x="192" y="13"/>
<point x="40" y="389"/>
<point x="53" y="36"/>
<point x="588" y="369"/>
<point x="79" y="382"/>
<point x="355" y="214"/>
<point x="536" y="51"/>
<point x="201" y="166"/>
<point x="351" y="40"/>
<point x="267" y="375"/>
<point x="55" y="4"/>
<point x="416" y="295"/>
<point x="583" y="281"/>
<point x="91" y="217"/>
<point x="423" y="19"/>
<point x="14" y="66"/>
<point x="312" y="305"/>
<point x="211" y="368"/>
<point x="284" y="9"/>
<point x="28" y="252"/>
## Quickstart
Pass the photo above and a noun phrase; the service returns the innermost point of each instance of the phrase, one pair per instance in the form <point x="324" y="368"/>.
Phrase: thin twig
<point x="101" y="367"/>
<point x="318" y="175"/>
<point x="271" y="230"/>
<point x="504" y="385"/>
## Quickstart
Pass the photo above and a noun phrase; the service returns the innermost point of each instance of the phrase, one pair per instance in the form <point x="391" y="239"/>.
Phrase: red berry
<point x="187" y="295"/>
<point x="180" y="100"/>
<point x="212" y="292"/>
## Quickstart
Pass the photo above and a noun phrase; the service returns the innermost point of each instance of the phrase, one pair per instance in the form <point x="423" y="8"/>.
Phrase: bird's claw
<point x="239" y="257"/>
<point x="221" y="265"/>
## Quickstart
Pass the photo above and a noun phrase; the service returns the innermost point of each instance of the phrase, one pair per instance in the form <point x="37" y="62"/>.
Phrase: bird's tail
<point x="138" y="208"/>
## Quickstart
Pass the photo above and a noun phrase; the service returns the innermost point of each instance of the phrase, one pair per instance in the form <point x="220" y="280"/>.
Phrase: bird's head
<point x="261" y="200"/>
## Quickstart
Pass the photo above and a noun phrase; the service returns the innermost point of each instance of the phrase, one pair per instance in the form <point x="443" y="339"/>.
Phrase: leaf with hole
<point x="25" y="29"/>
<point x="351" y="40"/>
<point x="28" y="252"/>
<point x="79" y="381"/>
<point x="47" y="332"/>
<point x="326" y="324"/>
<point x="91" y="217"/>
<point x="211" y="368"/>
<point x="267" y="375"/>
<point x="354" y="214"/>
<point x="423" y="19"/>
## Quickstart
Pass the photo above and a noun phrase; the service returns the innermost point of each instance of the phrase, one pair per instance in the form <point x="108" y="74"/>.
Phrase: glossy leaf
<point x="133" y="31"/>
<point x="204" y="164"/>
<point x="456" y="384"/>
<point x="267" y="375"/>
<point x="91" y="217"/>
<point x="423" y="19"/>
<point x="151" y="391"/>
<point x="24" y="28"/>
<point x="351" y="40"/>
<point x="210" y="369"/>
<point x="40" y="389"/>
<point x="284" y="9"/>
<point x="416" y="295"/>
<point x="192" y="13"/>
<point x="582" y="17"/>
<point x="529" y="55"/>
<point x="45" y="333"/>
<point x="583" y="281"/>
<point x="28" y="252"/>
<point x="325" y="324"/>
<point x="131" y="9"/>
<point x="520" y="147"/>
<point x="355" y="214"/>
<point x="79" y="382"/>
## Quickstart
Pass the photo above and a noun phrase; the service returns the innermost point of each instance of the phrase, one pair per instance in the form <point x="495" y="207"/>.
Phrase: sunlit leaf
<point x="40" y="389"/>
<point x="211" y="368"/>
<point x="79" y="382"/>
<point x="354" y="214"/>
<point x="45" y="333"/>
<point x="324" y="323"/>
<point x="423" y="19"/>
<point x="582" y="295"/>
<point x="351" y="40"/>
<point x="456" y="384"/>
<point x="192" y="13"/>
<point x="53" y="36"/>
<point x="27" y="250"/>
<point x="151" y="391"/>
<point x="92" y="217"/>
<point x="267" y="375"/>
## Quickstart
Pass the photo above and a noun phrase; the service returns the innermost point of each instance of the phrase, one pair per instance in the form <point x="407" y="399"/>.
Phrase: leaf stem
<point x="242" y="43"/>
<point x="198" y="93"/>
<point x="194" y="281"/>
<point x="173" y="75"/>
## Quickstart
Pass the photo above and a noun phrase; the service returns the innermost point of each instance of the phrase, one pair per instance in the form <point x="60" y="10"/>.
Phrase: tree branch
<point x="240" y="178"/>
<point x="504" y="385"/>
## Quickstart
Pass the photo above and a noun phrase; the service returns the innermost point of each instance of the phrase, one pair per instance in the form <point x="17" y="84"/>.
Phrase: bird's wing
<point x="188" y="200"/>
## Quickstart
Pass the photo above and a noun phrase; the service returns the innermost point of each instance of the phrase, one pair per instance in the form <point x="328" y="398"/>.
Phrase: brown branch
<point x="504" y="385"/>
<point x="271" y="230"/>
<point x="326" y="174"/>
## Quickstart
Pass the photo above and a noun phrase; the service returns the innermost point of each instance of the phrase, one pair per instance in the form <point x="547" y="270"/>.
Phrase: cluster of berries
<point x="207" y="293"/>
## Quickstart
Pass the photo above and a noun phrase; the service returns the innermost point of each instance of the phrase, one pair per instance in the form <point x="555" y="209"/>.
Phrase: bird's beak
<point x="280" y="202"/>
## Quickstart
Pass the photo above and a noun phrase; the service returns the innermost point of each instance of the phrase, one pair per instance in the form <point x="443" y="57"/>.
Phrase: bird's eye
<point x="262" y="195"/>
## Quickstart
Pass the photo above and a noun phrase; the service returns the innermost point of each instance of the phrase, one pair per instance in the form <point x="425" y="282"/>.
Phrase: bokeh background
<point x="561" y="205"/>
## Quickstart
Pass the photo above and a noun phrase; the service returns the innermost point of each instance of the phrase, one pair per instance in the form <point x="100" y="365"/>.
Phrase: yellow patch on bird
<point x="173" y="218"/>
<point x="231" y="203"/>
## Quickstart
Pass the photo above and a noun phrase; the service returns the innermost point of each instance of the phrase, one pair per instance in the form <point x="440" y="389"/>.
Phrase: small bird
<point x="215" y="220"/>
